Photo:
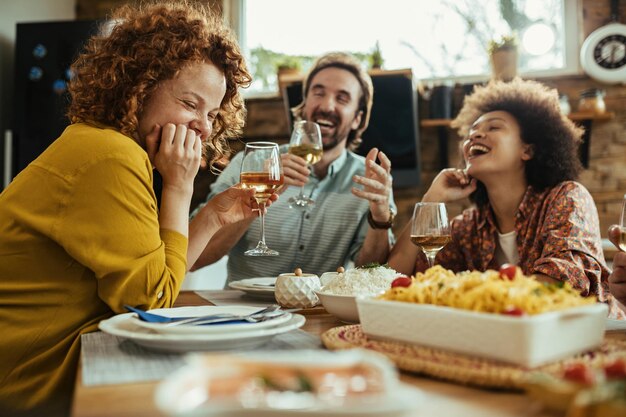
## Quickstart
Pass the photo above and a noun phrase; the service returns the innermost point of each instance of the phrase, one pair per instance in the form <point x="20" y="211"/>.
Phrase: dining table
<point x="438" y="397"/>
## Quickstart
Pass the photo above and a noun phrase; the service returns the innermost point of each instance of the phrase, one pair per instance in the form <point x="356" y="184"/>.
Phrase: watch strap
<point x="380" y="225"/>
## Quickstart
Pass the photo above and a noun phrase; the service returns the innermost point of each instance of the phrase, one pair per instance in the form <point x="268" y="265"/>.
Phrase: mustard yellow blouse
<point x="79" y="238"/>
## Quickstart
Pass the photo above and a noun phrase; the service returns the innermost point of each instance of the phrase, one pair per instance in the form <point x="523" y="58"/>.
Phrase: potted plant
<point x="376" y="57"/>
<point x="288" y="66"/>
<point x="503" y="57"/>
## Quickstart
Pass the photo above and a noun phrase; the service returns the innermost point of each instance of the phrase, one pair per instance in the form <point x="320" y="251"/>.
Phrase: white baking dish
<point x="524" y="340"/>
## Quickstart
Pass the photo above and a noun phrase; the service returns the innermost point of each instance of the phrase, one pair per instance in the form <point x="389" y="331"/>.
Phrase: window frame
<point x="235" y="16"/>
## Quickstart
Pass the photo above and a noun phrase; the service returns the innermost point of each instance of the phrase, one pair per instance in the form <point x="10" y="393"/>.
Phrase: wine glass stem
<point x="262" y="216"/>
<point x="430" y="255"/>
<point x="302" y="196"/>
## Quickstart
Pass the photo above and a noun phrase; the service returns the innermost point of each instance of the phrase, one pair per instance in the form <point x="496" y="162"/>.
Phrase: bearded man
<point x="350" y="222"/>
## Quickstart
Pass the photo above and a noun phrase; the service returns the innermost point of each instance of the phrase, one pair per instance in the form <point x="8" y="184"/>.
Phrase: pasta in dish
<point x="488" y="291"/>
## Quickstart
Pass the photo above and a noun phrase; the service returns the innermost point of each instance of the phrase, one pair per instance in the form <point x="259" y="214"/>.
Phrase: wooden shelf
<point x="579" y="116"/>
<point x="435" y="122"/>
<point x="585" y="119"/>
<point x="576" y="116"/>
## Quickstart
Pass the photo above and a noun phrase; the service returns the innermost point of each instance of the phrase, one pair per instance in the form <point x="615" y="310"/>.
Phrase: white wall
<point x="19" y="11"/>
<point x="212" y="277"/>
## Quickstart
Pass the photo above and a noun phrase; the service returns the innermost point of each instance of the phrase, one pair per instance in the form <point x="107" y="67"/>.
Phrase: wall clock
<point x="603" y="54"/>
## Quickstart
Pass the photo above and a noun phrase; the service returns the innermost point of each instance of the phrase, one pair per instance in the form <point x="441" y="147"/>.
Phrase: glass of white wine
<point x="262" y="170"/>
<point x="622" y="227"/>
<point x="430" y="230"/>
<point x="306" y="142"/>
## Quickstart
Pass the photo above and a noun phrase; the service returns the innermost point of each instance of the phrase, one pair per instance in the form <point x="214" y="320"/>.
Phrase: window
<point x="437" y="39"/>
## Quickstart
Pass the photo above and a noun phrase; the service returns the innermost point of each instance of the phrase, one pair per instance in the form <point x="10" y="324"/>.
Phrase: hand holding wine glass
<point x="261" y="170"/>
<point x="306" y="142"/>
<point x="430" y="230"/>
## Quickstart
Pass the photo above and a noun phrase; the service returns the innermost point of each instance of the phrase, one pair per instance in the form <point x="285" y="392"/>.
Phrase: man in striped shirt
<point x="351" y="220"/>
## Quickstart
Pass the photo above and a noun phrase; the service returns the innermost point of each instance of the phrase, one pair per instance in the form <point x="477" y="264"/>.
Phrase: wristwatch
<point x="381" y="225"/>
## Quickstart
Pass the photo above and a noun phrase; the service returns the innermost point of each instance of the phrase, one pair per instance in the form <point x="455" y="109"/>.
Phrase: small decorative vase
<point x="504" y="64"/>
<point x="295" y="290"/>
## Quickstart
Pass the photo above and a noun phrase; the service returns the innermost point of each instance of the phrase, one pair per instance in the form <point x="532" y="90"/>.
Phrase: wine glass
<point x="262" y="170"/>
<point x="430" y="230"/>
<point x="622" y="227"/>
<point x="306" y="142"/>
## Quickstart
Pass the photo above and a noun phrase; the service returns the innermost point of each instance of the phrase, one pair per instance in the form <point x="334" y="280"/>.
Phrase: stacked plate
<point x="184" y="338"/>
<point x="262" y="287"/>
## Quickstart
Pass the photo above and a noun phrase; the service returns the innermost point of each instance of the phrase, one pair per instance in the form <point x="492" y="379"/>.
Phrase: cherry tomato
<point x="579" y="372"/>
<point x="514" y="311"/>
<point x="616" y="369"/>
<point x="508" y="271"/>
<point x="401" y="282"/>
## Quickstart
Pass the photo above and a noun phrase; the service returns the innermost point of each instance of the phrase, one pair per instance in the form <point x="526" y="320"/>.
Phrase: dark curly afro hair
<point x="553" y="136"/>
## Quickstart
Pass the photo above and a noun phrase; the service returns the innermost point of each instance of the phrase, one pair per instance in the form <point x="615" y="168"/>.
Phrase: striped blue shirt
<point x="328" y="235"/>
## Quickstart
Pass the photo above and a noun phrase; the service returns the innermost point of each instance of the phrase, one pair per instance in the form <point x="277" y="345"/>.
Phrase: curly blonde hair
<point x="144" y="45"/>
<point x="535" y="107"/>
<point x="349" y="63"/>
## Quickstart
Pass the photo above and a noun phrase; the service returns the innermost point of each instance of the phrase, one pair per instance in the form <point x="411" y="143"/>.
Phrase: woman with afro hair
<point x="521" y="165"/>
<point x="81" y="232"/>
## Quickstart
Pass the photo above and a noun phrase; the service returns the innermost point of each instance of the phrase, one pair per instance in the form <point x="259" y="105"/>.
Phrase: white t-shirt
<point x="506" y="249"/>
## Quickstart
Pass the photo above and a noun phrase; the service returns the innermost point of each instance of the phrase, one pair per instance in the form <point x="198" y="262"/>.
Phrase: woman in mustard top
<point x="81" y="234"/>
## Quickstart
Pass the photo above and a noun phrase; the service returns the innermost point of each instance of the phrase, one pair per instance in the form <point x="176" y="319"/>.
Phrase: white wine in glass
<point x="430" y="230"/>
<point x="305" y="142"/>
<point x="622" y="227"/>
<point x="262" y="170"/>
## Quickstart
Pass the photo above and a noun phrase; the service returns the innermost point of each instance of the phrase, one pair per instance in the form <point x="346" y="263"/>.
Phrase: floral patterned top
<point x="557" y="235"/>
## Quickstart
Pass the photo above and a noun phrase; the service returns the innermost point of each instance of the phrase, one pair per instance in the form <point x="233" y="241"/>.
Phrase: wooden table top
<point x="439" y="398"/>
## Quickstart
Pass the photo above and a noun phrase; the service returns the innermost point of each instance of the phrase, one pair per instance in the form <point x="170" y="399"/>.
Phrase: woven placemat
<point x="461" y="368"/>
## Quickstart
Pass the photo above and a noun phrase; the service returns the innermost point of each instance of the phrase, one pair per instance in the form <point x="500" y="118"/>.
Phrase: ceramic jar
<point x="592" y="100"/>
<point x="297" y="290"/>
<point x="564" y="104"/>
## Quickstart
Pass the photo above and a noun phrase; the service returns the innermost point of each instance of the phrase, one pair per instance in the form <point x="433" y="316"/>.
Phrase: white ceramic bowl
<point x="341" y="306"/>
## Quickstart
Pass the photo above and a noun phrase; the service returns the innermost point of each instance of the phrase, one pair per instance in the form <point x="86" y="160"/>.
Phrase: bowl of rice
<point x="340" y="290"/>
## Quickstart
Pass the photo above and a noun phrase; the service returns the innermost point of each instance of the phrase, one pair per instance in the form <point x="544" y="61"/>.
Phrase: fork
<point x="255" y="318"/>
<point x="268" y="312"/>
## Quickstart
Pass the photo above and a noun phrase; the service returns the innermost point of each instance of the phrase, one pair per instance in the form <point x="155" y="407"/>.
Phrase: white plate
<point x="123" y="325"/>
<point x="262" y="287"/>
<point x="197" y="311"/>
<point x="187" y="392"/>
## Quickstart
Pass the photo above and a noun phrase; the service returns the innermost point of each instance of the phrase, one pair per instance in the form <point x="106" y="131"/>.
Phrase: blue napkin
<point x="151" y="317"/>
<point x="156" y="318"/>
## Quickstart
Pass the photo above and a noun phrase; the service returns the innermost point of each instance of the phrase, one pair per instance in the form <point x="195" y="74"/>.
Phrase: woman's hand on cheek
<point x="451" y="184"/>
<point x="178" y="156"/>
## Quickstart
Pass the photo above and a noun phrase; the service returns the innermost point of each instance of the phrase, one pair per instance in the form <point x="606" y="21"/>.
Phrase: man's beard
<point x="327" y="146"/>
<point x="338" y="136"/>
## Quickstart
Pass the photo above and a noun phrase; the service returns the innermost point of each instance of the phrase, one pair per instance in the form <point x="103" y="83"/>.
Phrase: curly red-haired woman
<point x="80" y="231"/>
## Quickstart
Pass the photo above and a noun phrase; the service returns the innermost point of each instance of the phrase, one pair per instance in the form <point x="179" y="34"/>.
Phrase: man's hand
<point x="295" y="170"/>
<point x="377" y="184"/>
